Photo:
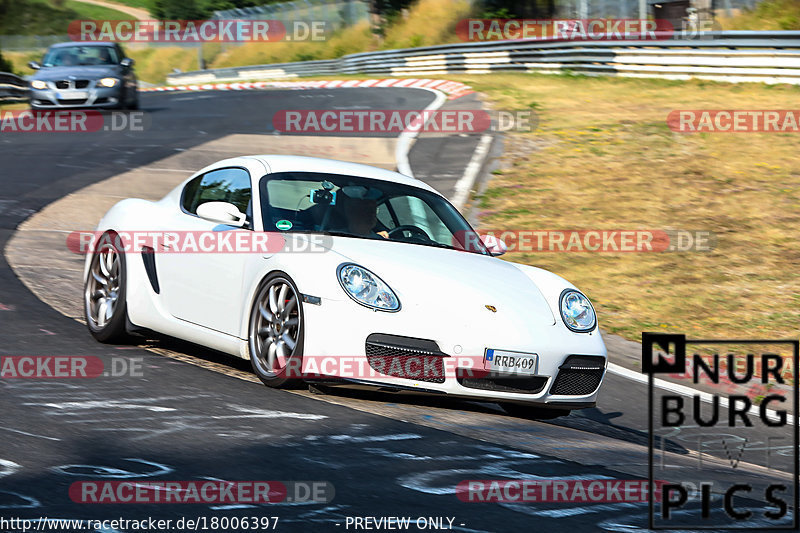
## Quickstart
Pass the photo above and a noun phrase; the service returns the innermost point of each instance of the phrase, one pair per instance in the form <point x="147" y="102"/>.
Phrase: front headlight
<point x="366" y="288"/>
<point x="577" y="311"/>
<point x="108" y="82"/>
<point x="38" y="84"/>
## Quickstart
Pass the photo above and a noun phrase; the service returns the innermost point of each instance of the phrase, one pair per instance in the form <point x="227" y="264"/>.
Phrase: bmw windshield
<point x="74" y="56"/>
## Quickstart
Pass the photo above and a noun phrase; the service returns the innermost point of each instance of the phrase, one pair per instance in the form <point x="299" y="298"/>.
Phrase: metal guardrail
<point x="275" y="71"/>
<point x="733" y="56"/>
<point x="12" y="87"/>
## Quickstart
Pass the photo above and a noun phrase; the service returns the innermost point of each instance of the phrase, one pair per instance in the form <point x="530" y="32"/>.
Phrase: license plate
<point x="73" y="95"/>
<point x="510" y="362"/>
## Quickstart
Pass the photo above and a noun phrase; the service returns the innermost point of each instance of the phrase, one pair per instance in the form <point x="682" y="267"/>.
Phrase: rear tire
<point x="275" y="338"/>
<point x="104" y="304"/>
<point x="531" y="411"/>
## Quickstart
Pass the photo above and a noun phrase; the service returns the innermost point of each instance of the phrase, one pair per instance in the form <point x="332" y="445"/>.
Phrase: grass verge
<point x="603" y="157"/>
<point x="41" y="17"/>
<point x="766" y="15"/>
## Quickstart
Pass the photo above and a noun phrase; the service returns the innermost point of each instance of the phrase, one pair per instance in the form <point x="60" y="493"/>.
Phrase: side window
<point x="114" y="56"/>
<point x="230" y="185"/>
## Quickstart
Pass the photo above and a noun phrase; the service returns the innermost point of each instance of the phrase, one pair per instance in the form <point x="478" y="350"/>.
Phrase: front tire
<point x="105" y="307"/>
<point x="134" y="106"/>
<point x="276" y="332"/>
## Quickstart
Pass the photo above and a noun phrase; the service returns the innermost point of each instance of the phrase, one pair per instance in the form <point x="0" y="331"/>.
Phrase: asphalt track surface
<point x="182" y="422"/>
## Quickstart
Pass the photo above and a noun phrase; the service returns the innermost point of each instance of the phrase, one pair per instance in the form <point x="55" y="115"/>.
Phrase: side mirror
<point x="494" y="245"/>
<point x="127" y="62"/>
<point x="34" y="65"/>
<point x="222" y="212"/>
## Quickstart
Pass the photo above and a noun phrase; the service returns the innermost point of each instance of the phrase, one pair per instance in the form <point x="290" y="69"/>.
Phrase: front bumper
<point x="570" y="370"/>
<point x="93" y="97"/>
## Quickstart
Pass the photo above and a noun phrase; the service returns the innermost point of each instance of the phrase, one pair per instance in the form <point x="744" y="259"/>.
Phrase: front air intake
<point x="579" y="375"/>
<point x="406" y="357"/>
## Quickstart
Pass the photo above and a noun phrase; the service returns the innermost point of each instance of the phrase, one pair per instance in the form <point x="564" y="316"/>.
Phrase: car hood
<point x="79" y="72"/>
<point x="448" y="281"/>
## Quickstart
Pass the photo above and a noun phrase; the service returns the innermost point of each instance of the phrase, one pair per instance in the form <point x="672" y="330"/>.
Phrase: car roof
<point x="82" y="43"/>
<point x="294" y="163"/>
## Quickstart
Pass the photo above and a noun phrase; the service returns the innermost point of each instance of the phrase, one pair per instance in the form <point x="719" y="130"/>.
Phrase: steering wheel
<point x="413" y="230"/>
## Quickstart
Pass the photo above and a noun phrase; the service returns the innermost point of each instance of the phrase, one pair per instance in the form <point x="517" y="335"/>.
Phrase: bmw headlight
<point x="108" y="82"/>
<point x="577" y="311"/>
<point x="366" y="288"/>
<point x="38" y="84"/>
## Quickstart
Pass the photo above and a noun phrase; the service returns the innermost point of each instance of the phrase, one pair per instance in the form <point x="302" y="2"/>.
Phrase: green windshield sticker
<point x="283" y="225"/>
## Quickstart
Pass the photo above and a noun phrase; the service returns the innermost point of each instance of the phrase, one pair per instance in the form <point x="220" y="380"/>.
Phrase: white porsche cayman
<point x="347" y="274"/>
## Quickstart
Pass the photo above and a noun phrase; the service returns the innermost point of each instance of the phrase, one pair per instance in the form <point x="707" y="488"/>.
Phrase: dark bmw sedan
<point x="84" y="75"/>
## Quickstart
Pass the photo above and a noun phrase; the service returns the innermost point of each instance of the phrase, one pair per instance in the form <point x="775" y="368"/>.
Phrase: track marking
<point x="405" y="138"/>
<point x="464" y="185"/>
<point x="27" y="434"/>
<point x="686" y="391"/>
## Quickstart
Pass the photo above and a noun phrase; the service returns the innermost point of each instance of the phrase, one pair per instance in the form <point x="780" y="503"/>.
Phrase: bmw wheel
<point x="276" y="332"/>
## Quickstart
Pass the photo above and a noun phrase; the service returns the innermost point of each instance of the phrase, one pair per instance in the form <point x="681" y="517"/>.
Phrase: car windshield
<point x="70" y="56"/>
<point x="350" y="206"/>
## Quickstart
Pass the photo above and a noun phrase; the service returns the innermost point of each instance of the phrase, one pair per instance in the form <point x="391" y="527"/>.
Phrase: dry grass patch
<point x="429" y="22"/>
<point x="604" y="158"/>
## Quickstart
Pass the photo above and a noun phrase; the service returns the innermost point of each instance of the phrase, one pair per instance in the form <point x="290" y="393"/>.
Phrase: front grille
<point x="406" y="357"/>
<point x="579" y="375"/>
<point x="71" y="84"/>
<point x="73" y="101"/>
<point x="522" y="385"/>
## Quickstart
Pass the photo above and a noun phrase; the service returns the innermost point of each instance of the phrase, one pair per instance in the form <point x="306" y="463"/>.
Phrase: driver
<point x="361" y="215"/>
<point x="68" y="60"/>
<point x="103" y="57"/>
